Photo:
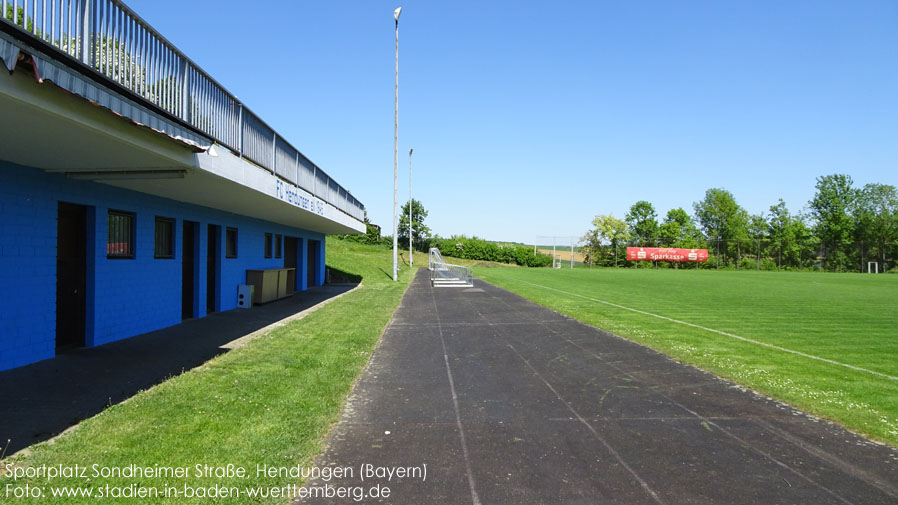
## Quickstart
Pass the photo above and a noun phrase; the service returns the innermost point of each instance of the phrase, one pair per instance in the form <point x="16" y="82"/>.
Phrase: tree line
<point x="841" y="229"/>
<point x="456" y="246"/>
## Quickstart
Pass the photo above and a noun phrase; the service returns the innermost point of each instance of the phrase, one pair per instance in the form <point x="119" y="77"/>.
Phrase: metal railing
<point x="111" y="39"/>
<point x="447" y="274"/>
<point x="435" y="258"/>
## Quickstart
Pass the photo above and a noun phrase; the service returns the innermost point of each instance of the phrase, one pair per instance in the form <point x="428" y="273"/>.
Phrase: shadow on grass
<point x="388" y="274"/>
<point x="337" y="276"/>
<point x="42" y="399"/>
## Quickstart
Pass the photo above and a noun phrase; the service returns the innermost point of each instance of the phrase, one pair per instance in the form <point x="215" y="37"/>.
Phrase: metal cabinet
<point x="271" y="284"/>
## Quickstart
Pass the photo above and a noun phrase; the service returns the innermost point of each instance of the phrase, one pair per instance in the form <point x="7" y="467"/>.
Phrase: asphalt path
<point x="478" y="396"/>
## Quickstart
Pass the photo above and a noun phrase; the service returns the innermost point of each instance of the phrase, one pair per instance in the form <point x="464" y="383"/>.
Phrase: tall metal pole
<point x="396" y="157"/>
<point x="410" y="250"/>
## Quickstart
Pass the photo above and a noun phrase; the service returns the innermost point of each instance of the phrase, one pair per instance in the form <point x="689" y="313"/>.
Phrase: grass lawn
<point x="268" y="403"/>
<point x="850" y="319"/>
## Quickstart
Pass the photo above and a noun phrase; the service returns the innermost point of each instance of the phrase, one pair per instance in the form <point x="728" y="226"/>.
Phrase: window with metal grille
<point x="165" y="238"/>
<point x="231" y="243"/>
<point x="277" y="246"/>
<point x="267" y="245"/>
<point x="120" y="235"/>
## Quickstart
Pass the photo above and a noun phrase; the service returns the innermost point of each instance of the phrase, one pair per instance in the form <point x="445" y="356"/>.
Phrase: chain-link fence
<point x="764" y="254"/>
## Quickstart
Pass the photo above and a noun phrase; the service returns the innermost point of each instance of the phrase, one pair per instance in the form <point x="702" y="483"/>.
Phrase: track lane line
<point x="708" y="420"/>
<point x="475" y="499"/>
<point x="642" y="483"/>
<point x="725" y="334"/>
<point x="589" y="426"/>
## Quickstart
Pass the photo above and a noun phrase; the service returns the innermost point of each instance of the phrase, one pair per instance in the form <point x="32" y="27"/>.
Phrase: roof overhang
<point x="226" y="182"/>
<point x="50" y="128"/>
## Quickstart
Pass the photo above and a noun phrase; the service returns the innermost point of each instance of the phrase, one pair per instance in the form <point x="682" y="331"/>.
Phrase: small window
<point x="165" y="238"/>
<point x="277" y="246"/>
<point x="231" y="243"/>
<point x="120" y="235"/>
<point x="267" y="245"/>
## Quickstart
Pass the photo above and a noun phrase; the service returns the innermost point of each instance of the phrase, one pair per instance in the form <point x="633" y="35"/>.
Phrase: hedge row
<point x="477" y="249"/>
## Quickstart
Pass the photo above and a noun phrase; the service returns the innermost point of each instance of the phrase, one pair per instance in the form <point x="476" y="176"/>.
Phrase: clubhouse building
<point x="135" y="191"/>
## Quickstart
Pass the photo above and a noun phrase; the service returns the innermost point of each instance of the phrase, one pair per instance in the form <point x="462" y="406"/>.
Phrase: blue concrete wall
<point x="302" y="278"/>
<point x="125" y="297"/>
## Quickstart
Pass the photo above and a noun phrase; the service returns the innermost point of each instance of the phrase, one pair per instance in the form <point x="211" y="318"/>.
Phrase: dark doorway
<point x="312" y="263"/>
<point x="211" y="266"/>
<point x="290" y="259"/>
<point x="71" y="274"/>
<point x="188" y="269"/>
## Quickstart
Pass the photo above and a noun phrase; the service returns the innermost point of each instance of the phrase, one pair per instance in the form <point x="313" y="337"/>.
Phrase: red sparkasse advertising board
<point x="666" y="254"/>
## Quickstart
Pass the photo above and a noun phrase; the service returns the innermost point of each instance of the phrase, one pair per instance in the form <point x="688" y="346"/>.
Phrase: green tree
<point x="876" y="222"/>
<point x="20" y="18"/>
<point x="723" y="222"/>
<point x="420" y="232"/>
<point x="790" y="242"/>
<point x="669" y="234"/>
<point x="804" y="251"/>
<point x="862" y="215"/>
<point x="643" y="222"/>
<point x="607" y="232"/>
<point x="833" y="224"/>
<point x="757" y="226"/>
<point x="780" y="231"/>
<point x="372" y="232"/>
<point x="678" y="230"/>
<point x="757" y="231"/>
<point x="779" y="221"/>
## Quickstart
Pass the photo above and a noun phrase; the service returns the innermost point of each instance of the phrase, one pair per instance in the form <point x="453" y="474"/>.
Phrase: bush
<point x="371" y="237"/>
<point x="711" y="263"/>
<point x="540" y="260"/>
<point x="768" y="264"/>
<point x="748" y="264"/>
<point x="482" y="250"/>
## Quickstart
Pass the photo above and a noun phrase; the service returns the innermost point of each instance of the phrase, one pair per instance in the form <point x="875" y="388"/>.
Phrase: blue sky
<point x="529" y="118"/>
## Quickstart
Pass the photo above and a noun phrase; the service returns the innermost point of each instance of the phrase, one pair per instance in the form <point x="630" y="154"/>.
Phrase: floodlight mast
<point x="396" y="156"/>
<point x="410" y="250"/>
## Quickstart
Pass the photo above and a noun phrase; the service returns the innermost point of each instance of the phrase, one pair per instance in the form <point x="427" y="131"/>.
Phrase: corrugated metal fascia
<point x="76" y="83"/>
<point x="9" y="53"/>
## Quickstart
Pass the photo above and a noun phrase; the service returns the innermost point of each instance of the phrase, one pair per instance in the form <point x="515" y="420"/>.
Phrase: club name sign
<point x="292" y="195"/>
<point x="667" y="254"/>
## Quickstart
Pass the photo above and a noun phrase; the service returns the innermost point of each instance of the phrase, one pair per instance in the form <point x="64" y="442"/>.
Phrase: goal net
<point x="564" y="250"/>
<point x="447" y="274"/>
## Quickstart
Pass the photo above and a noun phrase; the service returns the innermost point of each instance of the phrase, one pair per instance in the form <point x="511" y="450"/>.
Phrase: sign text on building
<point x="291" y="195"/>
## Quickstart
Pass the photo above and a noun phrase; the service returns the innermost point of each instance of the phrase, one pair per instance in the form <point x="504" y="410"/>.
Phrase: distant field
<point x="827" y="343"/>
<point x="564" y="255"/>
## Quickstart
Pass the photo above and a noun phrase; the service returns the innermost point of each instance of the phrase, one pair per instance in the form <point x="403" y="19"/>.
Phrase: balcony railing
<point x="114" y="41"/>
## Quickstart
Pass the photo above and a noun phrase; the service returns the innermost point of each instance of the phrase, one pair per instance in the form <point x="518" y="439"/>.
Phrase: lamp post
<point x="410" y="250"/>
<point x="396" y="156"/>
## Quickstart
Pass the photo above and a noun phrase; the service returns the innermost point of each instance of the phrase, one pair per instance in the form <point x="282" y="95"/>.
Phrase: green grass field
<point x="268" y="403"/>
<point x="849" y="319"/>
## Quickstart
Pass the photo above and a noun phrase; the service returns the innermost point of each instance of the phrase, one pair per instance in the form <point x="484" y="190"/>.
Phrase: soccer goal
<point x="447" y="274"/>
<point x="564" y="250"/>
